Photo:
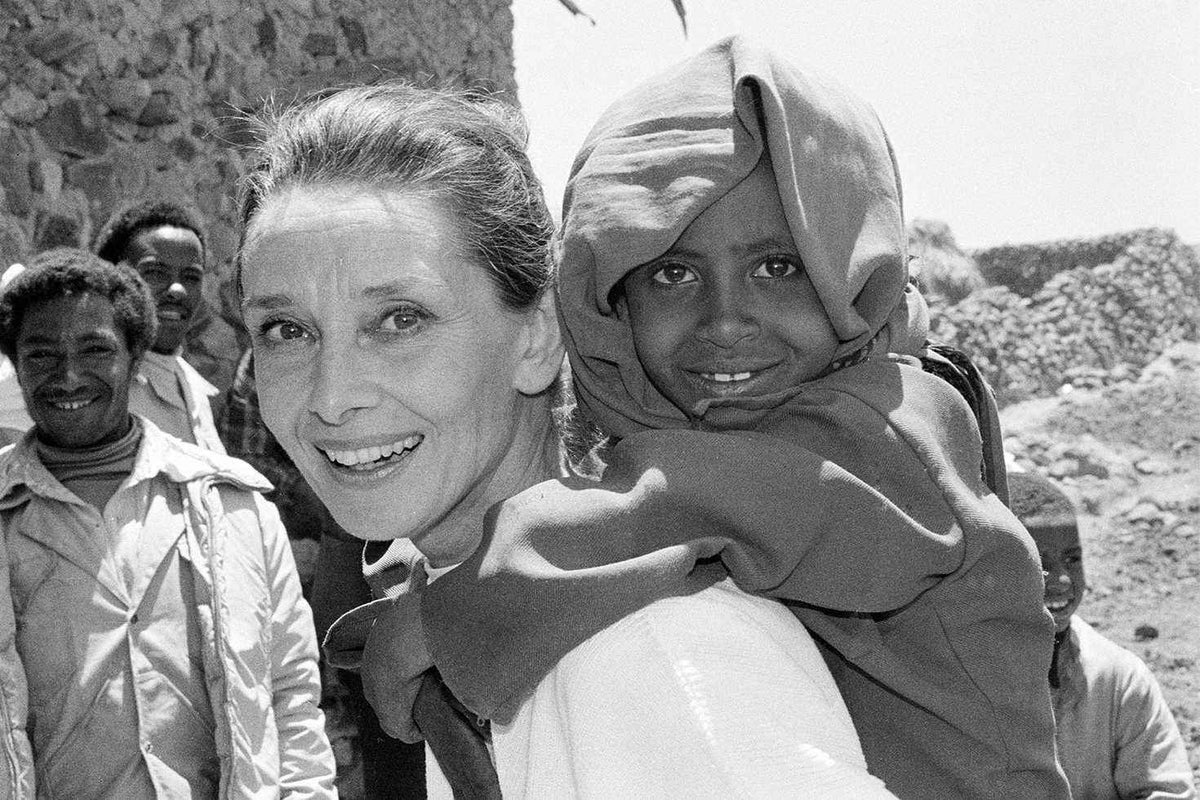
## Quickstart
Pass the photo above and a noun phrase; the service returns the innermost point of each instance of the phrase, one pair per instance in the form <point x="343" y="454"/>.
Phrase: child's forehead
<point x="1053" y="534"/>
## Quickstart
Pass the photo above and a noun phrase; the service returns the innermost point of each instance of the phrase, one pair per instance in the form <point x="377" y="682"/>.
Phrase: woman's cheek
<point x="280" y="383"/>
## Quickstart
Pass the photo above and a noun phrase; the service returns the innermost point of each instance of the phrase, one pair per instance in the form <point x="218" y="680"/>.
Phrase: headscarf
<point x="672" y="147"/>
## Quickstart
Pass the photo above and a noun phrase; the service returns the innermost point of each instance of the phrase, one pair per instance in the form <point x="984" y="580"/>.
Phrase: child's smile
<point x="729" y="311"/>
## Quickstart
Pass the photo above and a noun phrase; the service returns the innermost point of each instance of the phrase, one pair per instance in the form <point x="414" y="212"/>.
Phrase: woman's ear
<point x="541" y="355"/>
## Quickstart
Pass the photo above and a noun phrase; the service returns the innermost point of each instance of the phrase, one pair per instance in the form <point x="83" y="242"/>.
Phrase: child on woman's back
<point x="734" y="295"/>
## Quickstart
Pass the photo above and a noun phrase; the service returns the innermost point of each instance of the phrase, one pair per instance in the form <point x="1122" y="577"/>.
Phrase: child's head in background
<point x="1049" y="516"/>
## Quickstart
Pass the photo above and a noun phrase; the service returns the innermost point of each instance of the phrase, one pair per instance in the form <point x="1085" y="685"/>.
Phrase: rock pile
<point x="1086" y="326"/>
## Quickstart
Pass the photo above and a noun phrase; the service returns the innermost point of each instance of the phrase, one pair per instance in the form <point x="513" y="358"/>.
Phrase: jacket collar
<point x="22" y="472"/>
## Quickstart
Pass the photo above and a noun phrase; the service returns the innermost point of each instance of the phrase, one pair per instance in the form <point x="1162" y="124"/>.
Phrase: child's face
<point x="1062" y="562"/>
<point x="728" y="310"/>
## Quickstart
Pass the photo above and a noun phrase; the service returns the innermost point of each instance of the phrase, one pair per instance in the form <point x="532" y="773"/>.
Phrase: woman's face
<point x="386" y="366"/>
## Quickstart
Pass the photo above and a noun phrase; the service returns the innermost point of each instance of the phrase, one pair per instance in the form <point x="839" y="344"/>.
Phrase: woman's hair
<point x="70" y="271"/>
<point x="466" y="151"/>
<point x="113" y="239"/>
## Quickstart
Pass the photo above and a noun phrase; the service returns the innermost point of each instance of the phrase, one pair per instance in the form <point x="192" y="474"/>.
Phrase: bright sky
<point x="1014" y="121"/>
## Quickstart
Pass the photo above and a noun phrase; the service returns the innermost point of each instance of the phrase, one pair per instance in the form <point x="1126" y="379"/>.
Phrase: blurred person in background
<point x="164" y="242"/>
<point x="1117" y="738"/>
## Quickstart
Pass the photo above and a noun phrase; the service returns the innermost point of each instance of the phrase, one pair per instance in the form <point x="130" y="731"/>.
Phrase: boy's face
<point x="1062" y="563"/>
<point x="74" y="368"/>
<point x="728" y="311"/>
<point x="171" y="260"/>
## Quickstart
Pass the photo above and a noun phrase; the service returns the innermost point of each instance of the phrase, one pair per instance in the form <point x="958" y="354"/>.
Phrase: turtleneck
<point x="93" y="473"/>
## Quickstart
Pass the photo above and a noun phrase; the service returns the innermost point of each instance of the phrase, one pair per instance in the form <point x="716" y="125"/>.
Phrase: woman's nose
<point x="176" y="290"/>
<point x="340" y="384"/>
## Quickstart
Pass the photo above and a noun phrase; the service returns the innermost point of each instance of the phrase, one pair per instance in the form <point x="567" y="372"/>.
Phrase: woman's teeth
<point x="726" y="377"/>
<point x="368" y="455"/>
<point x="1058" y="605"/>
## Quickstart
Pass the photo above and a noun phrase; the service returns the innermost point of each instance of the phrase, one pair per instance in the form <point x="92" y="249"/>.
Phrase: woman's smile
<point x="383" y="357"/>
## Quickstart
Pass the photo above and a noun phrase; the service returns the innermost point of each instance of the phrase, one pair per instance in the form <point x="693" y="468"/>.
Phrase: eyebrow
<point x="42" y="339"/>
<point x="389" y="289"/>
<point x="268" y="302"/>
<point x="755" y="247"/>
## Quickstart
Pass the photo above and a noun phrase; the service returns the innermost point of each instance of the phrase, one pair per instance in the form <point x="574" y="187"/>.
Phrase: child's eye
<point x="775" y="268"/>
<point x="673" y="275"/>
<point x="404" y="320"/>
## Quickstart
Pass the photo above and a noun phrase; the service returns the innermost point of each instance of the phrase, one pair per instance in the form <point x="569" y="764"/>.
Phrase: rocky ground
<point x="1129" y="455"/>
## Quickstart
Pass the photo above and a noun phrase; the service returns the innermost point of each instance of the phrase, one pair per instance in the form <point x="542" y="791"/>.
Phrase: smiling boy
<point x="165" y="244"/>
<point x="1116" y="736"/>
<point x="153" y="638"/>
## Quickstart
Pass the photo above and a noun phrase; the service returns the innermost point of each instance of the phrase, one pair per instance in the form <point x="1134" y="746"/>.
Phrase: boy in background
<point x="1116" y="736"/>
<point x="164" y="243"/>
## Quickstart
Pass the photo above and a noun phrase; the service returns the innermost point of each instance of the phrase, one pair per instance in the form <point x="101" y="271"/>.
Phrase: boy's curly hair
<point x="113" y="239"/>
<point x="68" y="271"/>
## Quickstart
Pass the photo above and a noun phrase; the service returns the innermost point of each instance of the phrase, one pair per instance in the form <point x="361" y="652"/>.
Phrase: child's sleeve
<point x="1150" y="760"/>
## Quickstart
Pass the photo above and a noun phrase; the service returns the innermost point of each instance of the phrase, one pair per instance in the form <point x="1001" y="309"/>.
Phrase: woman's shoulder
<point x="721" y="633"/>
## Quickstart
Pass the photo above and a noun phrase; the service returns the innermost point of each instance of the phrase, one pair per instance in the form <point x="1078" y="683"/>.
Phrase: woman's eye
<point x="282" y="331"/>
<point x="403" y="320"/>
<point x="775" y="268"/>
<point x="673" y="274"/>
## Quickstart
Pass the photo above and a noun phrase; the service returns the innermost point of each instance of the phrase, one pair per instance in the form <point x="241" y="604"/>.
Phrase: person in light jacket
<point x="153" y="639"/>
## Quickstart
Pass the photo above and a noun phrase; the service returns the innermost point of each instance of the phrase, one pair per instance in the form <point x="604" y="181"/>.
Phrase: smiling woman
<point x="401" y="386"/>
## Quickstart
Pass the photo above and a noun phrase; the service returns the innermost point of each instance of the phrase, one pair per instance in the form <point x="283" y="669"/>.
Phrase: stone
<point x="46" y="177"/>
<point x="1144" y="511"/>
<point x="1153" y="466"/>
<point x="162" y="108"/>
<point x="71" y="128"/>
<point x="266" y="35"/>
<point x="320" y="44"/>
<point x="14" y="173"/>
<point x="14" y="244"/>
<point x="185" y="148"/>
<point x="1145" y="633"/>
<point x="356" y="37"/>
<point x="62" y="223"/>
<point x="58" y="45"/>
<point x="125" y="97"/>
<point x="96" y="178"/>
<point x="159" y="54"/>
<point x="23" y="106"/>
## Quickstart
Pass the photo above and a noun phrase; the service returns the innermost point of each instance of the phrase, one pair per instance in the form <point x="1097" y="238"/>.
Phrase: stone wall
<point x="104" y="101"/>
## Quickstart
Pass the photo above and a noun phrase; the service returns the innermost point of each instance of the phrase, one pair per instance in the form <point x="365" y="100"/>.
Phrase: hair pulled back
<point x="464" y="150"/>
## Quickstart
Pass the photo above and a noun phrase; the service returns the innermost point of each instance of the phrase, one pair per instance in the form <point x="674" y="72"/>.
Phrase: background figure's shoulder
<point x="183" y="462"/>
<point x="1098" y="652"/>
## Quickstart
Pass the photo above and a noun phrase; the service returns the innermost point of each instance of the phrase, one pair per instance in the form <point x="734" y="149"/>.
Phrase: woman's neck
<point x="532" y="457"/>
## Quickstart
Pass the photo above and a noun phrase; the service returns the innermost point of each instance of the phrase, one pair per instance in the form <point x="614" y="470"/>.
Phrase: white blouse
<point x="718" y="694"/>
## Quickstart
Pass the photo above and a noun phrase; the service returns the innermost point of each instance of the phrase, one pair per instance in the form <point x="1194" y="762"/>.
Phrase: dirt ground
<point x="1129" y="455"/>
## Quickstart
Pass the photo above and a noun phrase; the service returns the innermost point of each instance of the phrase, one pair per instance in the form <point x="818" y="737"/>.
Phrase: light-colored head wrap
<point x="672" y="147"/>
